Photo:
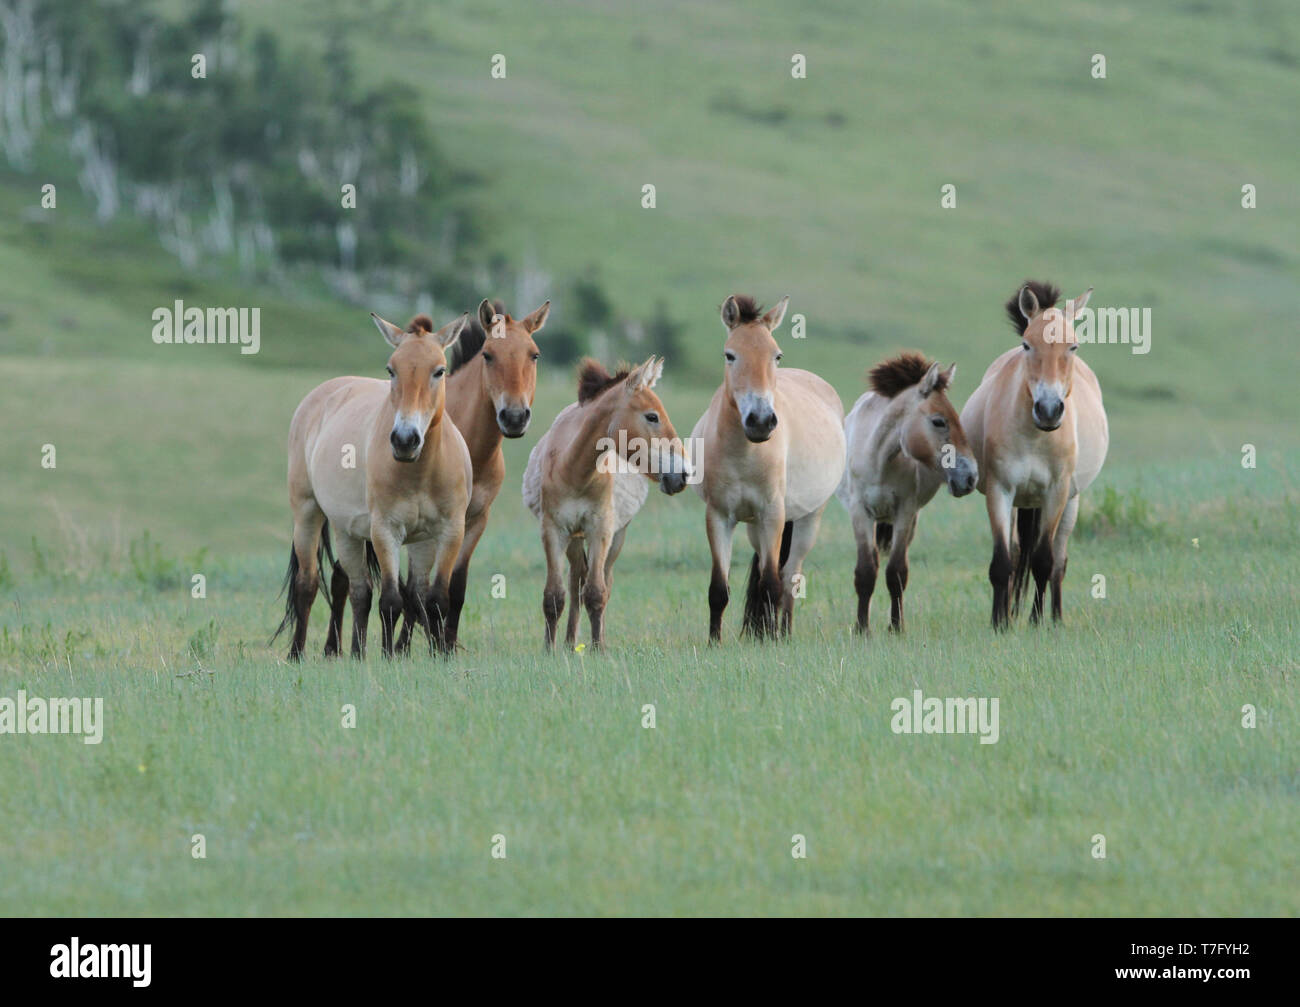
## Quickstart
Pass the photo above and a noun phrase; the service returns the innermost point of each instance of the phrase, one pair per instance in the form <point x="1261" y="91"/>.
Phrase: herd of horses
<point x="415" y="461"/>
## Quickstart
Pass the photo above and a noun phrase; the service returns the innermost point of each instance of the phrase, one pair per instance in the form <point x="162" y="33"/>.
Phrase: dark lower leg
<point x="338" y="601"/>
<point x="1000" y="577"/>
<point x="864" y="582"/>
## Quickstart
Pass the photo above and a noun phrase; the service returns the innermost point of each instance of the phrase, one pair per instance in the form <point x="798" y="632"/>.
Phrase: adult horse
<point x="589" y="475"/>
<point x="491" y="383"/>
<point x="1039" y="433"/>
<point x="382" y="463"/>
<point x="772" y="450"/>
<point x="904" y="440"/>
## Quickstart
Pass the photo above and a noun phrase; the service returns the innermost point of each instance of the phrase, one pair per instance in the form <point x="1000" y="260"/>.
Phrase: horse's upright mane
<point x="594" y="379"/>
<point x="420" y="323"/>
<point x="902" y="372"/>
<point x="1048" y="294"/>
<point x="746" y="309"/>
<point x="472" y="338"/>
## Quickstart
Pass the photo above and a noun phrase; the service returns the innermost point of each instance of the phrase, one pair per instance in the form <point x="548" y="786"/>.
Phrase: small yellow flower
<point x="580" y="648"/>
<point x="1196" y="543"/>
<point x="141" y="767"/>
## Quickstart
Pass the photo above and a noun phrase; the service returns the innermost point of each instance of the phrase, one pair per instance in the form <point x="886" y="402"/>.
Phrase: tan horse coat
<point x="586" y="479"/>
<point x="771" y="447"/>
<point x="1039" y="433"/>
<point x="381" y="463"/>
<point x="904" y="441"/>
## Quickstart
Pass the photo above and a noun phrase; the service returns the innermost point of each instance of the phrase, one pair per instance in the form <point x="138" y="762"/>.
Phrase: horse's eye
<point x="1074" y="347"/>
<point x="779" y="356"/>
<point x="939" y="421"/>
<point x="652" y="417"/>
<point x="439" y="373"/>
<point x="730" y="357"/>
<point x="390" y="371"/>
<point x="535" y="357"/>
<point x="1024" y="345"/>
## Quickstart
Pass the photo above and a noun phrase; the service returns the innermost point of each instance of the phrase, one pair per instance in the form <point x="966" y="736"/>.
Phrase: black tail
<point x="324" y="561"/>
<point x="763" y="596"/>
<point x="884" y="536"/>
<point x="1028" y="522"/>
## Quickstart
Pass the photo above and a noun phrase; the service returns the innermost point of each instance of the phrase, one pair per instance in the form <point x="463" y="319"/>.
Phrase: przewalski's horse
<point x="1039" y="433"/>
<point x="382" y="463"/>
<point x="904" y="442"/>
<point x="771" y="448"/>
<point x="490" y="389"/>
<point x="589" y="475"/>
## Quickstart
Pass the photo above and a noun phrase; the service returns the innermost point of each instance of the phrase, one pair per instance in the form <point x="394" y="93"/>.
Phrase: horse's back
<point x="1092" y="426"/>
<point x="815" y="445"/>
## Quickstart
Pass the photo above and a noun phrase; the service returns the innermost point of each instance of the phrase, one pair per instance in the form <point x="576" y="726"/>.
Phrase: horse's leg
<point x="388" y="552"/>
<point x="864" y="575"/>
<point x="416" y="610"/>
<point x="339" y="581"/>
<point x="308" y="519"/>
<point x="474" y="528"/>
<point x="577" y="554"/>
<point x="352" y="558"/>
<point x="595" y="595"/>
<point x="720" y="530"/>
<point x="896" y="570"/>
<point x="803" y="533"/>
<point x="998" y="501"/>
<point x="438" y="602"/>
<point x="1042" y="560"/>
<point x="553" y="544"/>
<point x="763" y="594"/>
<point x="1060" y="553"/>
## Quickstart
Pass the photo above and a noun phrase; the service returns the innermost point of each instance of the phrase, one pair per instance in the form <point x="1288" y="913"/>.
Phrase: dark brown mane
<point x="420" y="323"/>
<point x="902" y="372"/>
<point x="594" y="379"/>
<point x="472" y="338"/>
<point x="746" y="309"/>
<point x="1047" y="295"/>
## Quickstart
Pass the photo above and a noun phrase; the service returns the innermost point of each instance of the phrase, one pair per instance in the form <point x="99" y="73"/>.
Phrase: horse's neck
<point x="474" y="412"/>
<point x="886" y="444"/>
<point x="584" y="451"/>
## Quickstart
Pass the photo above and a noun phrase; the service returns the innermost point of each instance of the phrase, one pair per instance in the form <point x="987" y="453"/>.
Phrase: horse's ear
<point x="654" y="371"/>
<point x="1074" y="308"/>
<point x="391" y="332"/>
<point x="1028" y="302"/>
<point x="642" y="376"/>
<point x="773" y="317"/>
<point x="930" y="380"/>
<point x="730" y="312"/>
<point x="486" y="313"/>
<point x="537" y="319"/>
<point x="450" y="332"/>
<point x="945" y="379"/>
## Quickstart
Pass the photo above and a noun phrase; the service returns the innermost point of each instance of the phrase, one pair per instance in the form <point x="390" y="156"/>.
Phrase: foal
<point x="1039" y="432"/>
<point x="904" y="441"/>
<point x="381" y="462"/>
<point x="773" y="453"/>
<point x="587" y="478"/>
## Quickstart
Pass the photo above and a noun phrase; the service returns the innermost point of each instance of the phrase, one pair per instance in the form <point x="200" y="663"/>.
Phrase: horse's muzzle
<point x="406" y="444"/>
<point x="962" y="477"/>
<point x="513" y="421"/>
<point x="758" y="428"/>
<point x="672" y="482"/>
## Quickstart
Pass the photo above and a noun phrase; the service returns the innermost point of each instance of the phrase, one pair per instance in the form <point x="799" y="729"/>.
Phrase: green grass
<point x="1126" y="721"/>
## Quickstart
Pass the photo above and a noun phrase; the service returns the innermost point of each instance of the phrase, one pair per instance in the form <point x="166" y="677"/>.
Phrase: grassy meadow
<point x="1126" y="721"/>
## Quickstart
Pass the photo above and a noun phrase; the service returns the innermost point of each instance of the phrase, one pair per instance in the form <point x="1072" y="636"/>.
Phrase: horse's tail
<point x="324" y="561"/>
<point x="1028" y="522"/>
<point x="884" y="536"/>
<point x="763" y="595"/>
